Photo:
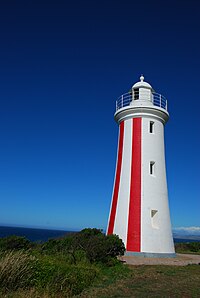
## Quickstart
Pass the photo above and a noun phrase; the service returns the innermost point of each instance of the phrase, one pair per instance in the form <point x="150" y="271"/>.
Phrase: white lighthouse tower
<point x="139" y="212"/>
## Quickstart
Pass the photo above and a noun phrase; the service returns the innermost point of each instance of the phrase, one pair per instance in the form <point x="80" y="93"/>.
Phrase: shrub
<point x="14" y="243"/>
<point x="195" y="246"/>
<point x="92" y="243"/>
<point x="97" y="246"/>
<point x="188" y="247"/>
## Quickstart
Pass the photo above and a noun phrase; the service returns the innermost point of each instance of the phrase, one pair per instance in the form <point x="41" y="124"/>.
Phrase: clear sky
<point x="62" y="66"/>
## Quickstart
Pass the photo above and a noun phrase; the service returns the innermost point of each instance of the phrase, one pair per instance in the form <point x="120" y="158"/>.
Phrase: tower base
<point x="150" y="255"/>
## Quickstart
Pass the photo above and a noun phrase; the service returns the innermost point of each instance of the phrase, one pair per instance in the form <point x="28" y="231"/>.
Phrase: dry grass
<point x="23" y="275"/>
<point x="15" y="270"/>
<point x="31" y="293"/>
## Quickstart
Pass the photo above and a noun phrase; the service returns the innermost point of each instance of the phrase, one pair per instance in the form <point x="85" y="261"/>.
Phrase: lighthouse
<point x="139" y="212"/>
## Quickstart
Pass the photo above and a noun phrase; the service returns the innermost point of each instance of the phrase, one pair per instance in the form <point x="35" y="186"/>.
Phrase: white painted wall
<point x="157" y="237"/>
<point x="145" y="94"/>
<point x="154" y="192"/>
<point x="122" y="211"/>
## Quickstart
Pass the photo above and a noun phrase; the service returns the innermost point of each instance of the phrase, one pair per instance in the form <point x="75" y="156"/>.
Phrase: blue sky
<point x="62" y="66"/>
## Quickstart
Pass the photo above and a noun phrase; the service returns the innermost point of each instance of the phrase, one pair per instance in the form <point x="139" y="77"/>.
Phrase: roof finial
<point x="142" y="78"/>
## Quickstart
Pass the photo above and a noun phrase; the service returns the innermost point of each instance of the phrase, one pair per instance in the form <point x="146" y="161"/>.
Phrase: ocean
<point x="34" y="235"/>
<point x="42" y="235"/>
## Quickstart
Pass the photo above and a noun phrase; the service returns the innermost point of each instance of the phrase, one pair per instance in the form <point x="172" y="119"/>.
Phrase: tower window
<point x="154" y="219"/>
<point x="136" y="94"/>
<point x="152" y="168"/>
<point x="151" y="127"/>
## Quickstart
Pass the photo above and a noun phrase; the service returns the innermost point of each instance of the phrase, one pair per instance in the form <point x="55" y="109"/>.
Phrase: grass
<point x="24" y="275"/>
<point x="78" y="266"/>
<point x="149" y="281"/>
<point x="121" y="281"/>
<point x="16" y="270"/>
<point x="141" y="281"/>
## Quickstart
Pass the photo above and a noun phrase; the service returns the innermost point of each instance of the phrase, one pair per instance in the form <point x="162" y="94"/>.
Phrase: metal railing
<point x="125" y="99"/>
<point x="159" y="100"/>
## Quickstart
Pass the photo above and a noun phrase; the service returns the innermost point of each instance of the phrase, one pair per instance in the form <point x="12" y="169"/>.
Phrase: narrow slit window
<point x="151" y="127"/>
<point x="152" y="168"/>
<point x="136" y="94"/>
<point x="154" y="219"/>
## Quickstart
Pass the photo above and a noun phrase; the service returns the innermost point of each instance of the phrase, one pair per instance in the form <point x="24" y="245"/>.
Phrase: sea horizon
<point x="44" y="234"/>
<point x="33" y="234"/>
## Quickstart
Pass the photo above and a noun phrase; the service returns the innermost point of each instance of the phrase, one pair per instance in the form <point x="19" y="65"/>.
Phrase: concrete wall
<point x="121" y="220"/>
<point x="155" y="219"/>
<point x="156" y="235"/>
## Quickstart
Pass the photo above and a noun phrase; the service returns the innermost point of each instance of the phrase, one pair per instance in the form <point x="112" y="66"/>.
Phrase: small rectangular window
<point x="136" y="94"/>
<point x="151" y="127"/>
<point x="152" y="168"/>
<point x="154" y="219"/>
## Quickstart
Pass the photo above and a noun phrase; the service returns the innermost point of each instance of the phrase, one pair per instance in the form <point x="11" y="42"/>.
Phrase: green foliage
<point x="195" y="246"/>
<point x="90" y="243"/>
<point x="14" y="243"/>
<point x="60" y="267"/>
<point x="101" y="248"/>
<point x="190" y="247"/>
<point x="90" y="232"/>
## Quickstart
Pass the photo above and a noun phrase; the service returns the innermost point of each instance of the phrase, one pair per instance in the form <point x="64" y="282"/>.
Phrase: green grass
<point x="149" y="281"/>
<point x="101" y="281"/>
<point x="85" y="265"/>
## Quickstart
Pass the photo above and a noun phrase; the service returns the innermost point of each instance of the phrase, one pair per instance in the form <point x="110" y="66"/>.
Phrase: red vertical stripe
<point x="134" y="219"/>
<point x="117" y="180"/>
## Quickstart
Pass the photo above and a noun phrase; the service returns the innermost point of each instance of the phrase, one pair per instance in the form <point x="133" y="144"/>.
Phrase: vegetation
<point x="14" y="243"/>
<point x="91" y="244"/>
<point x="63" y="267"/>
<point x="189" y="247"/>
<point x="85" y="264"/>
<point x="148" y="281"/>
<point x="16" y="270"/>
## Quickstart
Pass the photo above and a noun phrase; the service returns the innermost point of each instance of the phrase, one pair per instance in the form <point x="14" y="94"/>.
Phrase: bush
<point x="97" y="246"/>
<point x="14" y="243"/>
<point x="195" y="246"/>
<point x="188" y="247"/>
<point x="92" y="243"/>
<point x="65" y="247"/>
